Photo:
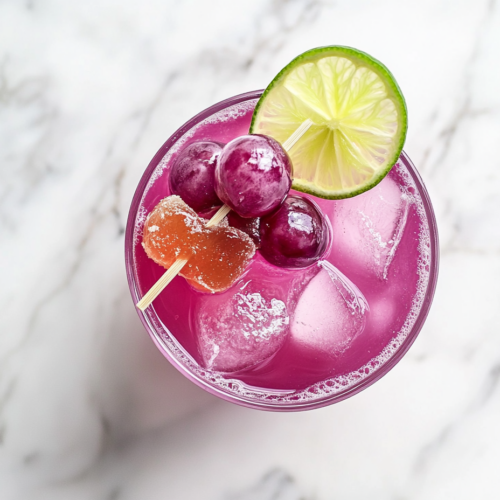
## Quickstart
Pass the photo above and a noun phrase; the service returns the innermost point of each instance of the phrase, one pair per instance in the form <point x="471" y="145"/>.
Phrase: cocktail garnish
<point x="358" y="116"/>
<point x="346" y="118"/>
<point x="296" y="235"/>
<point x="253" y="175"/>
<point x="192" y="175"/>
<point x="181" y="261"/>
<point x="215" y="256"/>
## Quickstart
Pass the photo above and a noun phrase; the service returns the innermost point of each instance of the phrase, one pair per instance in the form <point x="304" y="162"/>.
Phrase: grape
<point x="296" y="235"/>
<point x="253" y="175"/>
<point x="249" y="226"/>
<point x="192" y="175"/>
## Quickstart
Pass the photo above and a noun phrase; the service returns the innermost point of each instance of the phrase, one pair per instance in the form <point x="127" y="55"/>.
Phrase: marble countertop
<point x="89" y="409"/>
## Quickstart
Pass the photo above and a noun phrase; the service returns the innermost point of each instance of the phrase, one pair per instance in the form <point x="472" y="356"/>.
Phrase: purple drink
<point x="334" y="327"/>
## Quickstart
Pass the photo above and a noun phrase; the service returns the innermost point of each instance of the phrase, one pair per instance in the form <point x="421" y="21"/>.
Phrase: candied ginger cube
<point x="217" y="256"/>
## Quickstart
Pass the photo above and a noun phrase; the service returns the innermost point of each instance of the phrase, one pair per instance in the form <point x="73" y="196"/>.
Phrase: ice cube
<point x="369" y="227"/>
<point x="243" y="326"/>
<point x="330" y="313"/>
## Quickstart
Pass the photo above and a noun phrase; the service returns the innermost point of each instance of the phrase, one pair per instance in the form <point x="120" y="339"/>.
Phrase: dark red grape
<point x="296" y="235"/>
<point x="253" y="175"/>
<point x="249" y="226"/>
<point x="192" y="175"/>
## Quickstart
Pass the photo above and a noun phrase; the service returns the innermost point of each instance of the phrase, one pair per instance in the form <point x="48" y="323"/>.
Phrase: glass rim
<point x="234" y="397"/>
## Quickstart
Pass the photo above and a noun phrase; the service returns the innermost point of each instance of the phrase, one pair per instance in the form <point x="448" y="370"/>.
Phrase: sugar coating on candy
<point x="217" y="256"/>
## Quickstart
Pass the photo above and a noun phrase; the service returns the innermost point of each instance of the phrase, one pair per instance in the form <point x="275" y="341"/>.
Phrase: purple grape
<point x="249" y="226"/>
<point x="296" y="235"/>
<point x="192" y="175"/>
<point x="253" y="175"/>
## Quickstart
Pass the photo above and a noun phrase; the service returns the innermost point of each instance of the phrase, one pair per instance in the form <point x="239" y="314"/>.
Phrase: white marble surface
<point x="88" y="408"/>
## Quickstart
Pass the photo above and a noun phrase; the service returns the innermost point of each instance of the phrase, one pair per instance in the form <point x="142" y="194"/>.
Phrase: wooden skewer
<point x="167" y="277"/>
<point x="301" y="130"/>
<point x="177" y="266"/>
<point x="219" y="216"/>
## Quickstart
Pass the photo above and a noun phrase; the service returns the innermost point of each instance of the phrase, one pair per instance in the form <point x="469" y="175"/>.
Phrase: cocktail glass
<point x="153" y="187"/>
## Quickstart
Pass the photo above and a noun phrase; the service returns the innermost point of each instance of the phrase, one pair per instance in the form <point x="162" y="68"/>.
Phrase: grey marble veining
<point x="275" y="485"/>
<point x="88" y="407"/>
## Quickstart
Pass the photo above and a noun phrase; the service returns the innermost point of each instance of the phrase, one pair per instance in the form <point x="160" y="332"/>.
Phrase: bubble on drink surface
<point x="370" y="227"/>
<point x="243" y="326"/>
<point x="330" y="313"/>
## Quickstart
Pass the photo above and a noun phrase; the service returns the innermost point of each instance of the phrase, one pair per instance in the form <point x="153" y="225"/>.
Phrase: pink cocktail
<point x="340" y="324"/>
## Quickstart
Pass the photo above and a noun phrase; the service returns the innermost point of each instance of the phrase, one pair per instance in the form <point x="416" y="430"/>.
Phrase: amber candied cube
<point x="217" y="256"/>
